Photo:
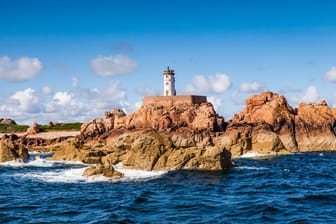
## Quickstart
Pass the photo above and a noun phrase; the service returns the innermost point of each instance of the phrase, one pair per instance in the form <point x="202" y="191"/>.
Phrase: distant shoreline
<point x="47" y="134"/>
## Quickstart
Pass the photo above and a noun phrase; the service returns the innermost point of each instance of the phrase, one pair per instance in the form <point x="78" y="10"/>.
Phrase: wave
<point x="38" y="160"/>
<point x="71" y="171"/>
<point x="253" y="155"/>
<point x="251" y="168"/>
<point x="258" y="155"/>
<point x="74" y="175"/>
<point x="137" y="175"/>
<point x="57" y="176"/>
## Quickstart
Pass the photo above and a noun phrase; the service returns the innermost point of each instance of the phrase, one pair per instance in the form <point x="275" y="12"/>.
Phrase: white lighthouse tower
<point x="169" y="82"/>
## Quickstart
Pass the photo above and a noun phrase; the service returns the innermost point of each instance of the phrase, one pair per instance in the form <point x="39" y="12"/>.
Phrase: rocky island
<point x="184" y="132"/>
<point x="190" y="136"/>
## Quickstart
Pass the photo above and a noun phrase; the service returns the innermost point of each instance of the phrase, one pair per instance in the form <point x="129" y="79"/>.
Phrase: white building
<point x="169" y="82"/>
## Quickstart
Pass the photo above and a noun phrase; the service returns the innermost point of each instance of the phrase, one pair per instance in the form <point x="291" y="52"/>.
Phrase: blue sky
<point x="73" y="60"/>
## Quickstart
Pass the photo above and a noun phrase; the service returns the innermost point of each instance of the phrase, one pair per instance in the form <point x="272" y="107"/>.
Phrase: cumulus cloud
<point x="247" y="87"/>
<point x="24" y="68"/>
<point x="330" y="76"/>
<point x="113" y="65"/>
<point x="114" y="91"/>
<point x="23" y="101"/>
<point x="216" y="102"/>
<point x="26" y="106"/>
<point x="63" y="98"/>
<point x="218" y="83"/>
<point x="311" y="95"/>
<point x="65" y="107"/>
<point x="113" y="95"/>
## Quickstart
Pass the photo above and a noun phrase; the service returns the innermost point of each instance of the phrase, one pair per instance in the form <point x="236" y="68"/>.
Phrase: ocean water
<point x="297" y="188"/>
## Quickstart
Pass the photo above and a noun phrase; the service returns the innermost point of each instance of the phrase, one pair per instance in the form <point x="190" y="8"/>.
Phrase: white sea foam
<point x="250" y="168"/>
<point x="58" y="175"/>
<point x="137" y="175"/>
<point x="253" y="155"/>
<point x="35" y="160"/>
<point x="30" y="163"/>
<point x="74" y="174"/>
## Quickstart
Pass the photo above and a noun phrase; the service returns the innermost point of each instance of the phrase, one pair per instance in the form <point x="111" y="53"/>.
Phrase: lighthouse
<point x="169" y="98"/>
<point x="169" y="82"/>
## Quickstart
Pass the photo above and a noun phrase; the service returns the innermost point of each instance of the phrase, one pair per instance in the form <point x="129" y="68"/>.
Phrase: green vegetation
<point x="62" y="127"/>
<point x="5" y="128"/>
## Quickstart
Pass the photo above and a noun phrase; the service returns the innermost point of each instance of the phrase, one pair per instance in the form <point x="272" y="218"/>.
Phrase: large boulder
<point x="7" y="121"/>
<point x="150" y="150"/>
<point x="269" y="124"/>
<point x="266" y="126"/>
<point x="273" y="110"/>
<point x="100" y="169"/>
<point x="99" y="126"/>
<point x="72" y="150"/>
<point x="315" y="125"/>
<point x="33" y="129"/>
<point x="10" y="150"/>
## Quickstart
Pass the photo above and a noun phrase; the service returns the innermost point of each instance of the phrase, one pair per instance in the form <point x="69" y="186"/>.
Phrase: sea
<point x="295" y="188"/>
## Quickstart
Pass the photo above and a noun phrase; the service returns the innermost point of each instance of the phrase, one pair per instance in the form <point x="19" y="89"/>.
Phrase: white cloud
<point x="27" y="100"/>
<point x="311" y="95"/>
<point x="113" y="65"/>
<point x="26" y="106"/>
<point x="47" y="90"/>
<point x="247" y="87"/>
<point x="114" y="92"/>
<point x="65" y="107"/>
<point x="216" y="102"/>
<point x="21" y="69"/>
<point x="75" y="83"/>
<point x="63" y="98"/>
<point x="107" y="98"/>
<point x="138" y="104"/>
<point x="330" y="76"/>
<point x="218" y="83"/>
<point x="20" y="102"/>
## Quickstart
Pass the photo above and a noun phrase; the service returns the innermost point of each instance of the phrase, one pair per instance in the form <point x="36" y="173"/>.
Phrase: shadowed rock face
<point x="315" y="127"/>
<point x="144" y="150"/>
<point x="10" y="150"/>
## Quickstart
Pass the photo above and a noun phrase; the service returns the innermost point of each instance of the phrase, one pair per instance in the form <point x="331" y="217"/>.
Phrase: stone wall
<point x="174" y="100"/>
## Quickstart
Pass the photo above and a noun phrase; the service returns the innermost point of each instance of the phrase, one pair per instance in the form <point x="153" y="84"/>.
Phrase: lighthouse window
<point x="166" y="76"/>
<point x="166" y="83"/>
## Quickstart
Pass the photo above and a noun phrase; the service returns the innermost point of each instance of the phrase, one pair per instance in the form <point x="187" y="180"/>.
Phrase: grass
<point x="5" y="128"/>
<point x="62" y="127"/>
<point x="57" y="127"/>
